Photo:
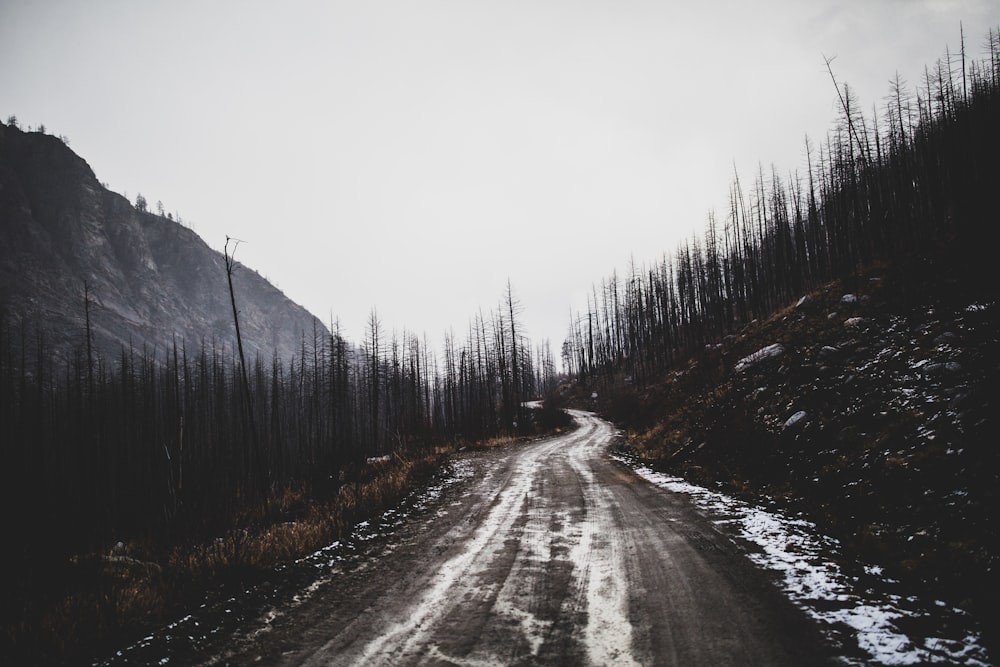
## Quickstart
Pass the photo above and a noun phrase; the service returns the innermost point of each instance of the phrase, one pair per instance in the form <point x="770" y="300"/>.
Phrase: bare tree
<point x="254" y="461"/>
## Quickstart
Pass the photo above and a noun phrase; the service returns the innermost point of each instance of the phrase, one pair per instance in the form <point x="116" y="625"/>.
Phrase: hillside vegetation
<point x="871" y="415"/>
<point x="832" y="346"/>
<point x="915" y="181"/>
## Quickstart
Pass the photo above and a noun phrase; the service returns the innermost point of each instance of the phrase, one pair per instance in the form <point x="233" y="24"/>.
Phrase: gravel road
<point x="550" y="553"/>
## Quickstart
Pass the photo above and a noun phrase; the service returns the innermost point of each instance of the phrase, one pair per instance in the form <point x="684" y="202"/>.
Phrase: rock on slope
<point x="151" y="280"/>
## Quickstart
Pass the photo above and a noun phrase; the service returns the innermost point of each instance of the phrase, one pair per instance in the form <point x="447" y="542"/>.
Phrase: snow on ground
<point x="850" y="610"/>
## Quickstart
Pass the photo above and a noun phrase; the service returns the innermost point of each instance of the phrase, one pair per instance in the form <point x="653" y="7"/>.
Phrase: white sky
<point x="414" y="155"/>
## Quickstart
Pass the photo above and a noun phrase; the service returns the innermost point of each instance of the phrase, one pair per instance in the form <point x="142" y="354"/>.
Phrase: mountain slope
<point x="150" y="280"/>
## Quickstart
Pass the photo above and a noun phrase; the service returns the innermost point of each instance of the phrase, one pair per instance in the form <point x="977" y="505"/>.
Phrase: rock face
<point x="151" y="281"/>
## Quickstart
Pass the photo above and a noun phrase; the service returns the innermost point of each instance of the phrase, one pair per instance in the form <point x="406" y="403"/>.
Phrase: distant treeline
<point x="917" y="177"/>
<point x="159" y="444"/>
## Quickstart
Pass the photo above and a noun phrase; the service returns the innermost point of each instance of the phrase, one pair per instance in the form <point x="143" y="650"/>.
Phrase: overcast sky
<point x="414" y="155"/>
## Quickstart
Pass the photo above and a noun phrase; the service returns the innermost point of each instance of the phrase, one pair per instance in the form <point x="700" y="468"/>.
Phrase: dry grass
<point x="112" y="597"/>
<point x="104" y="600"/>
<point x="500" y="441"/>
<point x="378" y="486"/>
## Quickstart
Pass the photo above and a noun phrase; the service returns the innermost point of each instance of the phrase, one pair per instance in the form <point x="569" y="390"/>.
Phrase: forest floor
<point x="868" y="409"/>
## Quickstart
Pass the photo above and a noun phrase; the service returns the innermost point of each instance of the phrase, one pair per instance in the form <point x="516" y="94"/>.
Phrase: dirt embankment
<point x="869" y="408"/>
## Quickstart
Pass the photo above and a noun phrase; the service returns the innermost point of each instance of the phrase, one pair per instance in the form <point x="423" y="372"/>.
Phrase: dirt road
<point x="549" y="554"/>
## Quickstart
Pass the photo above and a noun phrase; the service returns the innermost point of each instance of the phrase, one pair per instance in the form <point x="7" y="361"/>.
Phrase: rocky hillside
<point x="151" y="280"/>
<point x="869" y="408"/>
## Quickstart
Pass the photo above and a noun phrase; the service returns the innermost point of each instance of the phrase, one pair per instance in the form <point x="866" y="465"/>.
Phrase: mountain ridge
<point x="68" y="245"/>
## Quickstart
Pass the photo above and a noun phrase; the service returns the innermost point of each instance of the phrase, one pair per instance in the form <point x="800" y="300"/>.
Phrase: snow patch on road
<point x="598" y="562"/>
<point x="514" y="599"/>
<point x="454" y="579"/>
<point x="846" y="608"/>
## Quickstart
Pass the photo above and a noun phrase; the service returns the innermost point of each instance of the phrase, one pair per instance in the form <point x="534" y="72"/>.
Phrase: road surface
<point x="551" y="553"/>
